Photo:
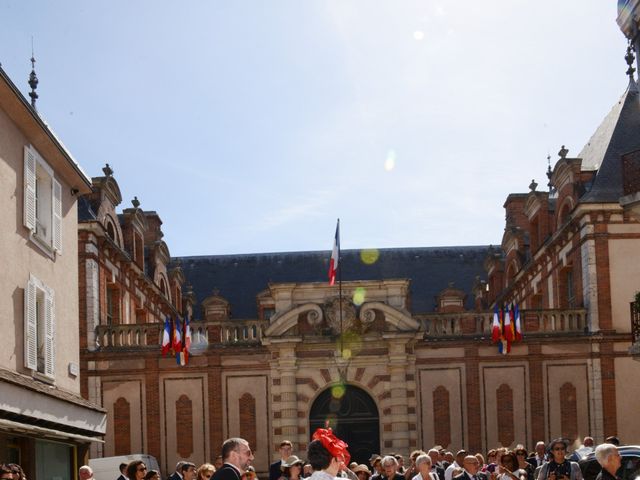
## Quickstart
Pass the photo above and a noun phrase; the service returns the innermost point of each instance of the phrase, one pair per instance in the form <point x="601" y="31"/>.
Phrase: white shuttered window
<point x="42" y="201"/>
<point x="39" y="328"/>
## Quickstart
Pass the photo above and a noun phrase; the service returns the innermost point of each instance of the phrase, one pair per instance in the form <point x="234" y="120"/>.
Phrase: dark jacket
<point x="227" y="472"/>
<point x="605" y="475"/>
<point x="274" y="470"/>
<point x="466" y="476"/>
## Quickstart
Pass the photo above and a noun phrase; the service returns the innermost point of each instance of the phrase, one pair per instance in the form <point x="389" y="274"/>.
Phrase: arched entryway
<point x="353" y="416"/>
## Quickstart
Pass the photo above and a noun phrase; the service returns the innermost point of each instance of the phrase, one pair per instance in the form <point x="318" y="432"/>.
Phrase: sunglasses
<point x="142" y="469"/>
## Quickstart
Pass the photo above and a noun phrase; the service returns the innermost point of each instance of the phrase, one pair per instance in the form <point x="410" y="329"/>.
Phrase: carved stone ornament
<point x="367" y="317"/>
<point x="332" y="311"/>
<point x="314" y="316"/>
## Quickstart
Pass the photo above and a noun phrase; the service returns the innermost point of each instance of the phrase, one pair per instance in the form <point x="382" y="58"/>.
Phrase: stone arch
<point x="395" y="317"/>
<point x="287" y="320"/>
<point x="353" y="415"/>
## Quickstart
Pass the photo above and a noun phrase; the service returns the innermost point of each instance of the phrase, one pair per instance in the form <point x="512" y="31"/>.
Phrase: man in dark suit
<point x="471" y="467"/>
<point x="538" y="458"/>
<point x="122" y="468"/>
<point x="285" y="450"/>
<point x="177" y="475"/>
<point x="237" y="457"/>
<point x="609" y="459"/>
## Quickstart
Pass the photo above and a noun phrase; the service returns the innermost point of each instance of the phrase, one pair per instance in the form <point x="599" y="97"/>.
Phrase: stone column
<point x="399" y="418"/>
<point x="285" y="393"/>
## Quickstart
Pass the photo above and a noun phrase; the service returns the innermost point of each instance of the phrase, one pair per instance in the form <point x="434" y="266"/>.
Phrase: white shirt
<point x="448" y="473"/>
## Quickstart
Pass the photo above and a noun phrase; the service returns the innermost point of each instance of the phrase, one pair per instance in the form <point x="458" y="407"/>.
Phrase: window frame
<point x="37" y="325"/>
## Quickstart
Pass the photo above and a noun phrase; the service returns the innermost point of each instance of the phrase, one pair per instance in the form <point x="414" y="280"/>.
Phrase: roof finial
<point x="549" y="172"/>
<point x="629" y="58"/>
<point x="107" y="170"/>
<point x="533" y="185"/>
<point x="135" y="202"/>
<point x="33" y="79"/>
<point x="563" y="152"/>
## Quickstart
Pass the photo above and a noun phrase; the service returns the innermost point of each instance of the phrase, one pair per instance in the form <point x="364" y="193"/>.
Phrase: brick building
<point x="409" y="363"/>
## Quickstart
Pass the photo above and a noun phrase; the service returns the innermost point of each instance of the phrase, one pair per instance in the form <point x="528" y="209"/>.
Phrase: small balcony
<point x="547" y="322"/>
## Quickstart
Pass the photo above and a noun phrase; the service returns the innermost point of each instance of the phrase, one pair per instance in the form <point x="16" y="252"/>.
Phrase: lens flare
<point x="351" y="345"/>
<point x="369" y="256"/>
<point x="390" y="162"/>
<point x="418" y="35"/>
<point x="337" y="392"/>
<point x="359" y="296"/>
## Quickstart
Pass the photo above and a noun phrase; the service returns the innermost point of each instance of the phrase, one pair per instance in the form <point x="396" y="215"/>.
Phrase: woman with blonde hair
<point x="205" y="471"/>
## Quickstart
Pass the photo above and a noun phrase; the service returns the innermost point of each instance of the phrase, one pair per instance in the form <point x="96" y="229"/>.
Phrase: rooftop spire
<point x="33" y="79"/>
<point x="629" y="58"/>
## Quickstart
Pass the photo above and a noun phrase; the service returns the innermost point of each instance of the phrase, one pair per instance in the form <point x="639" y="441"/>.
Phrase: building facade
<point x="45" y="424"/>
<point x="399" y="356"/>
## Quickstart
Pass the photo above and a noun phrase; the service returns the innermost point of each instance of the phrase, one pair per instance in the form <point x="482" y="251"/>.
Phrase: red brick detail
<point x="410" y="377"/>
<point x="411" y="410"/>
<point x="472" y="374"/>
<point x="441" y="417"/>
<point x="607" y="369"/>
<point x="307" y="381"/>
<point x="504" y="414"/>
<point x="325" y="375"/>
<point x="215" y="408"/>
<point x="412" y="427"/>
<point x="152" y="394"/>
<point x="184" y="426"/>
<point x="277" y="398"/>
<point x="302" y="430"/>
<point x="247" y="410"/>
<point x="122" y="426"/>
<point x="302" y="415"/>
<point x="387" y="427"/>
<point x="377" y="379"/>
<point x="386" y="411"/>
<point x="411" y="393"/>
<point x="536" y="387"/>
<point x="302" y="398"/>
<point x="602" y="275"/>
<point x="277" y="414"/>
<point x="277" y="431"/>
<point x="276" y="382"/>
<point x="569" y="411"/>
<point x="384" y="395"/>
<point x="388" y="444"/>
<point x="359" y="373"/>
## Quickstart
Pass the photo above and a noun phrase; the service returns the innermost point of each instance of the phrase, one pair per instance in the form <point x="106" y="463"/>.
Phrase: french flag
<point x="335" y="256"/>
<point x="495" y="329"/>
<point x="166" y="337"/>
<point x="518" y="324"/>
<point x="508" y="325"/>
<point x="177" y="339"/>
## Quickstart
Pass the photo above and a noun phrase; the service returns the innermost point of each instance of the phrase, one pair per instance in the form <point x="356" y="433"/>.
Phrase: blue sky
<point x="250" y="126"/>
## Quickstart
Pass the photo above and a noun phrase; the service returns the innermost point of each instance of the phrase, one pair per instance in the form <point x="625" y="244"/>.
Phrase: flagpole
<point x="340" y="290"/>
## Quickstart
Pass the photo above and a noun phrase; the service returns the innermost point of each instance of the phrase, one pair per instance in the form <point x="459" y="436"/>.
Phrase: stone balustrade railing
<point x="435" y="326"/>
<point x="479" y="324"/>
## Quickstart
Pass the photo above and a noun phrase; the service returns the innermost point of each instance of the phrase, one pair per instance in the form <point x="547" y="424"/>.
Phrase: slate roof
<point x="239" y="278"/>
<point x="85" y="211"/>
<point x="619" y="133"/>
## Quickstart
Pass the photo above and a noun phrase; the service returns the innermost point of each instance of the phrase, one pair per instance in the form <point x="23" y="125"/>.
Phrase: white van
<point x="107" y="468"/>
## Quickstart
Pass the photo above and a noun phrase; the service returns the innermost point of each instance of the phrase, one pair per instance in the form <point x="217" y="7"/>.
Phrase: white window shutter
<point x="56" y="202"/>
<point x="30" y="327"/>
<point x="29" y="188"/>
<point x="49" y="335"/>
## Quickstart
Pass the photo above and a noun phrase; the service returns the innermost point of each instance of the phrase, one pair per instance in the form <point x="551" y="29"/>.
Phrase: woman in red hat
<point x="327" y="455"/>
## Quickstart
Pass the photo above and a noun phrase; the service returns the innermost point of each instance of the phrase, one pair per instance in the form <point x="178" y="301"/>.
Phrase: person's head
<point x="470" y="464"/>
<point x="448" y="456"/>
<point x="285" y="449"/>
<point x="236" y="451"/>
<point x="434" y="456"/>
<point x="318" y="456"/>
<point x="292" y="467"/>
<point x="250" y="474"/>
<point x="123" y="468"/>
<point x="152" y="475"/>
<point x="415" y="454"/>
<point x="377" y="464"/>
<point x="509" y="461"/>
<point x="400" y="460"/>
<point x="17" y="472"/>
<point x="390" y="466"/>
<point x="85" y="472"/>
<point x="5" y="472"/>
<point x="307" y="470"/>
<point x="480" y="459"/>
<point x="460" y="456"/>
<point x="613" y="440"/>
<point x="588" y="442"/>
<point x="218" y="462"/>
<point x="492" y="456"/>
<point x="540" y="448"/>
<point x="608" y="457"/>
<point x="362" y="472"/>
<point x="521" y="455"/>
<point x="179" y="466"/>
<point x="558" y="449"/>
<point x="136" y="470"/>
<point x="423" y="464"/>
<point x="205" y="471"/>
<point x="188" y="471"/>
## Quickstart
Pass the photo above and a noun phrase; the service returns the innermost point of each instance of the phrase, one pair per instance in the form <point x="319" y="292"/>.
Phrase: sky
<point x="251" y="126"/>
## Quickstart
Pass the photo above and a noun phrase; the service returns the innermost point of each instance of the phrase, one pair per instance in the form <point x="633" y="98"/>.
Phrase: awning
<point x="23" y="428"/>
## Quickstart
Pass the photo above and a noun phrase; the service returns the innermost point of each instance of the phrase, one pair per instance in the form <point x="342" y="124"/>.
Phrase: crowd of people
<point x="327" y="457"/>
